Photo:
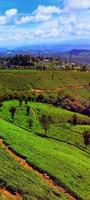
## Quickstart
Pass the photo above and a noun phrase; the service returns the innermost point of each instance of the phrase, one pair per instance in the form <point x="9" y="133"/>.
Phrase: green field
<point x="60" y="152"/>
<point x="60" y="129"/>
<point x="25" y="80"/>
<point x="68" y="164"/>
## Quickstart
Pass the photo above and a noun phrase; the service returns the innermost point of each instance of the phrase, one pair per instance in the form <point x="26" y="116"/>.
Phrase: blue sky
<point x="43" y="21"/>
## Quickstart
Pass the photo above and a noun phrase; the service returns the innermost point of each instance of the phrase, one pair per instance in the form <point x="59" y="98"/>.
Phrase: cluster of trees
<point x="69" y="102"/>
<point x="18" y="60"/>
<point x="13" y="109"/>
<point x="75" y="120"/>
<point x="66" y="101"/>
<point x="46" y="121"/>
<point x="28" y="61"/>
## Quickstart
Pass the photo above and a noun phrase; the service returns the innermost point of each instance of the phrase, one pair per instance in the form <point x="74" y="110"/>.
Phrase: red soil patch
<point x="10" y="196"/>
<point x="37" y="90"/>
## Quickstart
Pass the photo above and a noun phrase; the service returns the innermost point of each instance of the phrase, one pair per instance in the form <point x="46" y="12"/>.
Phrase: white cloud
<point x="42" y="13"/>
<point x="2" y="20"/>
<point x="47" y="10"/>
<point x="78" y="4"/>
<point x="24" y="19"/>
<point x="8" y="17"/>
<point x="11" y="12"/>
<point x="50" y="22"/>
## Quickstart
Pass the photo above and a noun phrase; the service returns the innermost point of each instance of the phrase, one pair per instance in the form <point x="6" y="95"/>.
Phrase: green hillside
<point x="76" y="82"/>
<point x="59" y="129"/>
<point x="68" y="164"/>
<point x="43" y="151"/>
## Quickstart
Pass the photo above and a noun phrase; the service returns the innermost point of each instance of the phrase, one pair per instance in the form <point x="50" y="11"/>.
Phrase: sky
<point x="25" y="22"/>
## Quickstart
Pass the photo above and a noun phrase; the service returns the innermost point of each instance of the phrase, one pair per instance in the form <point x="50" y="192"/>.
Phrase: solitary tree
<point x="26" y="101"/>
<point x="20" y="101"/>
<point x="74" y="120"/>
<point x="12" y="111"/>
<point x="28" y="110"/>
<point x="86" y="137"/>
<point x="46" y="121"/>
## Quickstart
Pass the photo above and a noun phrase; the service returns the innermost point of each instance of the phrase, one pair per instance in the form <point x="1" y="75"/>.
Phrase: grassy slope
<point x="25" y="80"/>
<point x="24" y="181"/>
<point x="60" y="130"/>
<point x="68" y="164"/>
<point x="59" y="115"/>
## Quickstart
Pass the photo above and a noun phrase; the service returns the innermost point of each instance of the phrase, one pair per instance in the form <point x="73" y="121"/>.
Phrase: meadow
<point x="74" y="82"/>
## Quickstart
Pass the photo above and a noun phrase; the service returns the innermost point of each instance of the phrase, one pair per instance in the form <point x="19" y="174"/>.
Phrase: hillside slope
<point x="67" y="164"/>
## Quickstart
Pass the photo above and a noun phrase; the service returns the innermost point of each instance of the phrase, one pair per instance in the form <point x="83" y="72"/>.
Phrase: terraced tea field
<point x="56" y="165"/>
<point x="74" y="82"/>
<point x="39" y="162"/>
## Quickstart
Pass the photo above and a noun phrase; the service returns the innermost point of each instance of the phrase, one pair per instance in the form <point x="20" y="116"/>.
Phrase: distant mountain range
<point x="77" y="56"/>
<point x="72" y="53"/>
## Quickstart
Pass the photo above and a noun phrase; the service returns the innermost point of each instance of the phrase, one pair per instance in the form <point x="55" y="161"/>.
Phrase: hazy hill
<point x="77" y="56"/>
<point x="73" y="53"/>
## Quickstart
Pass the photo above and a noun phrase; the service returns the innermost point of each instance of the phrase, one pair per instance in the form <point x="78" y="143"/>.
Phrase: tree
<point x="28" y="110"/>
<point x="60" y="98"/>
<point x="86" y="137"/>
<point x="26" y="101"/>
<point x="12" y="111"/>
<point x="20" y="101"/>
<point x="74" y="120"/>
<point x="40" y="98"/>
<point x="46" y="121"/>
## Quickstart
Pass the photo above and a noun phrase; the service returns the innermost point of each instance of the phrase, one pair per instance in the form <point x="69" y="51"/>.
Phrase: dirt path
<point x="45" y="177"/>
<point x="37" y="90"/>
<point x="28" y="75"/>
<point x="10" y="196"/>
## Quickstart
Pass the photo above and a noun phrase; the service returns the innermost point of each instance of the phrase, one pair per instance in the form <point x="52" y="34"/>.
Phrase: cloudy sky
<point x="41" y="21"/>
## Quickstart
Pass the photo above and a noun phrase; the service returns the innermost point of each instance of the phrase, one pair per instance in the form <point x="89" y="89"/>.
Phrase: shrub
<point x="12" y="111"/>
<point x="74" y="120"/>
<point x="28" y="110"/>
<point x="86" y="137"/>
<point x="46" y="121"/>
<point x="20" y="101"/>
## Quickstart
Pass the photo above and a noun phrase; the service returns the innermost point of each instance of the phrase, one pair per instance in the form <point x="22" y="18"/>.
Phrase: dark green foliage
<point x="40" y="98"/>
<point x="28" y="110"/>
<point x="46" y="121"/>
<point x="26" y="101"/>
<point x="20" y="100"/>
<point x="12" y="111"/>
<point x="86" y="137"/>
<point x="74" y="120"/>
